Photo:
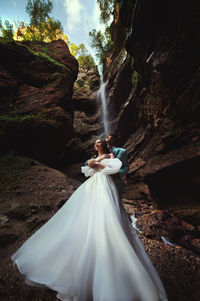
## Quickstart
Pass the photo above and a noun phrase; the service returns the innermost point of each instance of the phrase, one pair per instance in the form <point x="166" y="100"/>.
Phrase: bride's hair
<point x="105" y="148"/>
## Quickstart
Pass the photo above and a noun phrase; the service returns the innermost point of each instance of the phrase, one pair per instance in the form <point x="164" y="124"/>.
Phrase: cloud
<point x="96" y="17"/>
<point x="73" y="10"/>
<point x="81" y="18"/>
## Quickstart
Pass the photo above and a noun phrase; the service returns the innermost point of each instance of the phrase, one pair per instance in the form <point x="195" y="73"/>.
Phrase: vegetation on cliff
<point x="81" y="53"/>
<point x="102" y="41"/>
<point x="43" y="28"/>
<point x="10" y="166"/>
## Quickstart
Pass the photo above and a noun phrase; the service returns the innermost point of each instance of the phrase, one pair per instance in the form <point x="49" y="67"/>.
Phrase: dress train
<point x="89" y="251"/>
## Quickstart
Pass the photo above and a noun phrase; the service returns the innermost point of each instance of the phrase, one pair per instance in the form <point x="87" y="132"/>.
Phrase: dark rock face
<point x="36" y="98"/>
<point x="154" y="101"/>
<point x="86" y="112"/>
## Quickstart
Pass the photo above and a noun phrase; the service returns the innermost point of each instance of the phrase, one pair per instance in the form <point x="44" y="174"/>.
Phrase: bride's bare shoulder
<point x="105" y="156"/>
<point x="109" y="156"/>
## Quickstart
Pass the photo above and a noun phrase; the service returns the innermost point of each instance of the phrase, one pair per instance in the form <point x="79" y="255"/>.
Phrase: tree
<point x="6" y="29"/>
<point x="86" y="61"/>
<point x="106" y="8"/>
<point x="84" y="58"/>
<point x="41" y="27"/>
<point x="39" y="11"/>
<point x="81" y="53"/>
<point x="102" y="43"/>
<point x="82" y="50"/>
<point x="74" y="49"/>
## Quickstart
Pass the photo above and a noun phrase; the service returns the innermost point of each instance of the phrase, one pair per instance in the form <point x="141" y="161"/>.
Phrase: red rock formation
<point x="154" y="99"/>
<point x="36" y="85"/>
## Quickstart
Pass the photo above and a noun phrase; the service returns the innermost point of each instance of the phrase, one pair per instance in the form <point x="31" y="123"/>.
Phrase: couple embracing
<point x="88" y="250"/>
<point x="109" y="147"/>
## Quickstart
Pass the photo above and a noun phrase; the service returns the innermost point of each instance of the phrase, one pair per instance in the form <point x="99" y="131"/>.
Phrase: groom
<point x="121" y="154"/>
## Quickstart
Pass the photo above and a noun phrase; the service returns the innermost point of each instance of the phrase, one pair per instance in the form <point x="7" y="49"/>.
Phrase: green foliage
<point x="7" y="31"/>
<point x="102" y="43"/>
<point x="39" y="11"/>
<point x="44" y="55"/>
<point x="106" y="8"/>
<point x="85" y="83"/>
<point x="42" y="27"/>
<point x="81" y="53"/>
<point x="47" y="31"/>
<point x="45" y="49"/>
<point x="86" y="61"/>
<point x="79" y="83"/>
<point x="82" y="50"/>
<point x="74" y="49"/>
<point x="91" y="83"/>
<point x="10" y="166"/>
<point x="135" y="78"/>
<point x="15" y="120"/>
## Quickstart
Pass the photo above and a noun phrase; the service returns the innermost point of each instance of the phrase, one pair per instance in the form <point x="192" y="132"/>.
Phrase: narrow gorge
<point x="50" y="114"/>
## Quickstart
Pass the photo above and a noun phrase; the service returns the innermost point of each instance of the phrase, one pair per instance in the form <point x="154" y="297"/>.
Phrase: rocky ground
<point x="177" y="265"/>
<point x="38" y="192"/>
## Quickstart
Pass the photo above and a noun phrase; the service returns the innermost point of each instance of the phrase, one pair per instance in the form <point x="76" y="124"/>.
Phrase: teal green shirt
<point x="121" y="154"/>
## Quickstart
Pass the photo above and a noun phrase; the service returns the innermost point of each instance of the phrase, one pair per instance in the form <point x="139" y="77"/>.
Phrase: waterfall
<point x="102" y="98"/>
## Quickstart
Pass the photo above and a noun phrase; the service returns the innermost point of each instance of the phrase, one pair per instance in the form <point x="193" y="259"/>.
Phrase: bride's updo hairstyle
<point x="104" y="145"/>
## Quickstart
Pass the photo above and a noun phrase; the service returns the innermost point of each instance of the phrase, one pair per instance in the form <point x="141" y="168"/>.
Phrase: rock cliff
<point x="36" y="85"/>
<point x="153" y="98"/>
<point x="39" y="117"/>
<point x="86" y="114"/>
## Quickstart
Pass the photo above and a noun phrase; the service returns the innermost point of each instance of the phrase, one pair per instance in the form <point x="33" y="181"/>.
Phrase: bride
<point x="89" y="251"/>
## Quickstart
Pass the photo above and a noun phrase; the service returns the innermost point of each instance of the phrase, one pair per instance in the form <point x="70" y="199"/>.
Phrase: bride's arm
<point x="111" y="156"/>
<point x="104" y="156"/>
<point x="100" y="165"/>
<point x="91" y="163"/>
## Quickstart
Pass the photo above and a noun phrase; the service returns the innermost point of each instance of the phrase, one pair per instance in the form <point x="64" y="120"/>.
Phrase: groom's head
<point x="111" y="140"/>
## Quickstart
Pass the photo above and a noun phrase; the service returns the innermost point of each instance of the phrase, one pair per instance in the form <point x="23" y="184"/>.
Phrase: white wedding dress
<point x="89" y="251"/>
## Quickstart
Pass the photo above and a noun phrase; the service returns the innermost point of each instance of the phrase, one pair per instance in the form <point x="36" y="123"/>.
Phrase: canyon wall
<point x="38" y="114"/>
<point x="154" y="98"/>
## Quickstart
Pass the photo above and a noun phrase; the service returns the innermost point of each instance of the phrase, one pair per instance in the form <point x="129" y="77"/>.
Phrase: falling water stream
<point x="102" y="97"/>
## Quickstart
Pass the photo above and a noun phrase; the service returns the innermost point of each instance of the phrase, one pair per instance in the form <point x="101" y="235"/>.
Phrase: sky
<point x="78" y="17"/>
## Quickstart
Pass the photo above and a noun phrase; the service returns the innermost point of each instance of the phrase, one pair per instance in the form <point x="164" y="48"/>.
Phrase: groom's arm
<point x="125" y="165"/>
